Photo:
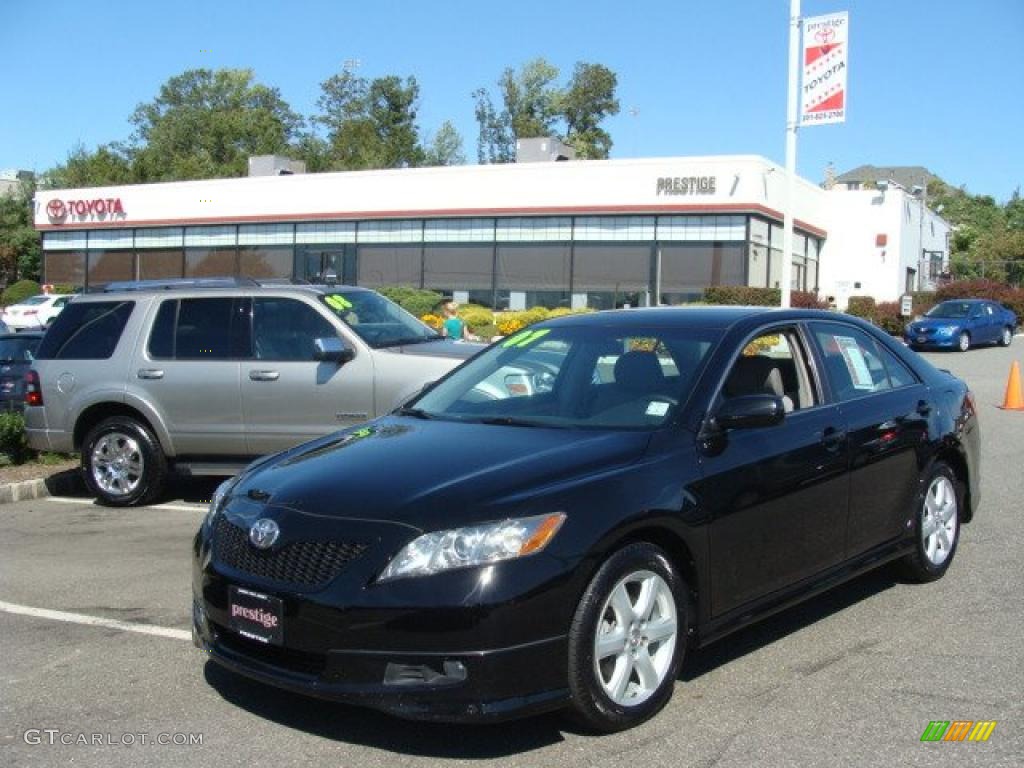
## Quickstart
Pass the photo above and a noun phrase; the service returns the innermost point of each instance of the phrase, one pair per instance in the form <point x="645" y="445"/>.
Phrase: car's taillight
<point x="33" y="389"/>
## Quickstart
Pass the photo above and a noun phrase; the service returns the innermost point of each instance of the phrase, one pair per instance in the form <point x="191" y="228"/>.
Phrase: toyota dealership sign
<point x="85" y="210"/>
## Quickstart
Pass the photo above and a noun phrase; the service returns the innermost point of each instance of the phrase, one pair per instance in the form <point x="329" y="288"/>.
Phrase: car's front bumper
<point x="447" y="647"/>
<point x="936" y="342"/>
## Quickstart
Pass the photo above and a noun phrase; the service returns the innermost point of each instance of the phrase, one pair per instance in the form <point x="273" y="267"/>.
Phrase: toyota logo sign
<point x="56" y="209"/>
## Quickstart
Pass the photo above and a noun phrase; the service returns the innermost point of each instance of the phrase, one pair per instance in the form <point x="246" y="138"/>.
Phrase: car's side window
<point x="855" y="364"/>
<point x="86" y="331"/>
<point x="201" y="329"/>
<point x="773" y="363"/>
<point x="286" y="329"/>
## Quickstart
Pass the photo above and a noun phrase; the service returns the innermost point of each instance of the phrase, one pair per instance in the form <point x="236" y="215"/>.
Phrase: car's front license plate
<point x="255" y="615"/>
<point x="922" y="339"/>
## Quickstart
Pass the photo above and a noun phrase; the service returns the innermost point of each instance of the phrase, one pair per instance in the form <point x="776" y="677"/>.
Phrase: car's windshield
<point x="951" y="309"/>
<point x="574" y="376"/>
<point x="40" y="299"/>
<point x="18" y="350"/>
<point x="378" y="321"/>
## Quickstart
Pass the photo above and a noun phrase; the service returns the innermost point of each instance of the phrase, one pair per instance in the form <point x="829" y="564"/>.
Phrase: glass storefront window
<point x="389" y="265"/>
<point x="160" y="264"/>
<point x="466" y="268"/>
<point x="612" y="275"/>
<point x="533" y="275"/>
<point x="210" y="262"/>
<point x="65" y="267"/>
<point x="265" y="261"/>
<point x="686" y="269"/>
<point x="110" y="266"/>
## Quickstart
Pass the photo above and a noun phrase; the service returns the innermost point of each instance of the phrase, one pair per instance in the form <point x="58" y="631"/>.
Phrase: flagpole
<point x="791" y="127"/>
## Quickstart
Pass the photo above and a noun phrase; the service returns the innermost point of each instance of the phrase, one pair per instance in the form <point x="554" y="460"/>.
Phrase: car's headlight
<point x="474" y="545"/>
<point x="219" y="495"/>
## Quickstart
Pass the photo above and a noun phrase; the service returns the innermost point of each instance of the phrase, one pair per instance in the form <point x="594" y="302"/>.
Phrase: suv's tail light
<point x="33" y="389"/>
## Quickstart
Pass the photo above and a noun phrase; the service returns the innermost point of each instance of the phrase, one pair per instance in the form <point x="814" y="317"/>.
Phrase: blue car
<point x="961" y="324"/>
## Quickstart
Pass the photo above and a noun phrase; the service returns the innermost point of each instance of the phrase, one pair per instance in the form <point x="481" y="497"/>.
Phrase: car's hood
<point x="460" y="350"/>
<point x="931" y="323"/>
<point x="433" y="474"/>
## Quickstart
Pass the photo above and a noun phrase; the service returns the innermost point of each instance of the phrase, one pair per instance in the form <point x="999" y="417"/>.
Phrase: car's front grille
<point x="303" y="662"/>
<point x="303" y="563"/>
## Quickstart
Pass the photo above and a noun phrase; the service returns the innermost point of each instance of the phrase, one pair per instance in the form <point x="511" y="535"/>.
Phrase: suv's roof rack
<point x="180" y="282"/>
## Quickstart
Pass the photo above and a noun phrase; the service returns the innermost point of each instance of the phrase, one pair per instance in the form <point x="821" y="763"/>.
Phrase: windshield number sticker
<point x="525" y="338"/>
<point x="657" y="408"/>
<point x="855" y="362"/>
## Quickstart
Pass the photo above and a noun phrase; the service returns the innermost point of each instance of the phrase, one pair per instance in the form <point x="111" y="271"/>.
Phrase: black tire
<point x="1006" y="337"/>
<point x="153" y="476"/>
<point x="918" y="566"/>
<point x="591" y="705"/>
<point x="964" y="341"/>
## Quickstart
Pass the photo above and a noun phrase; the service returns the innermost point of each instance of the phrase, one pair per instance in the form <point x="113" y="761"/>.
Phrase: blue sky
<point x="931" y="82"/>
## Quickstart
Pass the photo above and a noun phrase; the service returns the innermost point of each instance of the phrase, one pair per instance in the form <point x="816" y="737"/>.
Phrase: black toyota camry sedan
<point x="557" y="521"/>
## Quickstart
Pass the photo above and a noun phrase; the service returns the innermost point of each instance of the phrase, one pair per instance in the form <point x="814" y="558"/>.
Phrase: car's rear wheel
<point x="627" y="640"/>
<point x="1006" y="337"/>
<point x="123" y="462"/>
<point x="964" y="341"/>
<point x="936" y="525"/>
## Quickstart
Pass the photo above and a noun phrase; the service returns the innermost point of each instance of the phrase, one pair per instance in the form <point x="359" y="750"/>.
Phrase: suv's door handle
<point x="924" y="407"/>
<point x="264" y="375"/>
<point x="833" y="438"/>
<point x="150" y="373"/>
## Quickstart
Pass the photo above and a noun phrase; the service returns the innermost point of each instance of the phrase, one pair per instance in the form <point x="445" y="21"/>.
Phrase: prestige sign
<point x="686" y="185"/>
<point x="97" y="209"/>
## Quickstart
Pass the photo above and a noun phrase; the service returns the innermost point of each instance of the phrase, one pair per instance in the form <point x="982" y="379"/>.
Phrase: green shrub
<point x="476" y="317"/>
<point x="13" y="444"/>
<point x="19" y="291"/>
<point x="887" y="317"/>
<point x="416" y="301"/>
<point x="743" y="295"/>
<point x="806" y="300"/>
<point x="65" y="288"/>
<point x="861" y="306"/>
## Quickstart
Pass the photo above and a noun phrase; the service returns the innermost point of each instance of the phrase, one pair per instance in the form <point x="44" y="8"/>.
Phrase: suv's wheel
<point x="1006" y="337"/>
<point x="123" y="462"/>
<point x="964" y="342"/>
<point x="936" y="525"/>
<point x="627" y="639"/>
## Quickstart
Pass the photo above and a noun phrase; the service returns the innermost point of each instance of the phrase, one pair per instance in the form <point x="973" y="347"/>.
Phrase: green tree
<point x="588" y="100"/>
<point x="445" y="148"/>
<point x="110" y="164"/>
<point x="20" y="247"/>
<point x="206" y="123"/>
<point x="370" y="123"/>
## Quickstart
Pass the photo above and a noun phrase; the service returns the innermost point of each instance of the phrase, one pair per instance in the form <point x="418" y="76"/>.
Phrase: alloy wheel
<point x="117" y="464"/>
<point x="964" y="342"/>
<point x="635" y="639"/>
<point x="939" y="520"/>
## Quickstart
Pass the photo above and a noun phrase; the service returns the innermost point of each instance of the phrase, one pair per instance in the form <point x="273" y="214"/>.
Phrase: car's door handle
<point x="924" y="407"/>
<point x="150" y="373"/>
<point x="264" y="375"/>
<point x="833" y="438"/>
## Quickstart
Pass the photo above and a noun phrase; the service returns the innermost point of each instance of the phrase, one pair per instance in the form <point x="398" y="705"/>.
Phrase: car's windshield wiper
<point x="418" y="413"/>
<point x="512" y="421"/>
<point x="412" y="340"/>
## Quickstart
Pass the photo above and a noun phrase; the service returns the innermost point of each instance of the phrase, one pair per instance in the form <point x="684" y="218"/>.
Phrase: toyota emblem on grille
<point x="264" y="533"/>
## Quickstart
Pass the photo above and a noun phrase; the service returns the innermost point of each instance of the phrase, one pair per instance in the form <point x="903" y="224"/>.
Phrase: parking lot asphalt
<point x="852" y="677"/>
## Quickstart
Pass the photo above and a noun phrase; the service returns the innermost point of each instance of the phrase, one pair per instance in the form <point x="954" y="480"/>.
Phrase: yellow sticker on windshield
<point x="532" y="336"/>
<point x="513" y="339"/>
<point x="340" y="303"/>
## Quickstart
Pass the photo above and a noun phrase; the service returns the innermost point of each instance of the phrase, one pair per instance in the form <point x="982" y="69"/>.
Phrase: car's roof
<point x="23" y="335"/>
<point x="134" y="290"/>
<point x="969" y="301"/>
<point x="693" y="317"/>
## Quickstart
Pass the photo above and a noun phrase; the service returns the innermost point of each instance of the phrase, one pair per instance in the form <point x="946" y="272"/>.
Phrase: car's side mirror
<point x="331" y="349"/>
<point x="750" y="411"/>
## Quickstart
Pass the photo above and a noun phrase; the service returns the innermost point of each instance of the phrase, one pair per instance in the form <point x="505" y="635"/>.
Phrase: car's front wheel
<point x="628" y="639"/>
<point x="1006" y="337"/>
<point x="123" y="462"/>
<point x="964" y="341"/>
<point x="936" y="525"/>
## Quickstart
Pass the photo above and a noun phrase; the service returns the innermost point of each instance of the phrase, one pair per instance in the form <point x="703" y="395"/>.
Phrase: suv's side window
<point x="201" y="329"/>
<point x="285" y="329"/>
<point x="87" y="330"/>
<point x="855" y="364"/>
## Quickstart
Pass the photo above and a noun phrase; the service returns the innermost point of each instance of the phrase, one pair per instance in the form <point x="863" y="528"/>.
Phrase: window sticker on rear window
<point x="853" y="356"/>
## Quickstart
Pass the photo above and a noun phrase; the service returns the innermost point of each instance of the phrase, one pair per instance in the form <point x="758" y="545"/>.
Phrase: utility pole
<point x="792" y="123"/>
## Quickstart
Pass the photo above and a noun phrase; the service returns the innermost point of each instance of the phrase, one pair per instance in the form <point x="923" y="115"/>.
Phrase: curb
<point x="62" y="484"/>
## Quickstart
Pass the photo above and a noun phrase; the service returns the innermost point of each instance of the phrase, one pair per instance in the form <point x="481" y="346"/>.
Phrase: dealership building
<point x="574" y="234"/>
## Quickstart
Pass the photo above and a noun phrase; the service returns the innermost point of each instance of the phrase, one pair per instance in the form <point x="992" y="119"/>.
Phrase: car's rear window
<point x="86" y="331"/>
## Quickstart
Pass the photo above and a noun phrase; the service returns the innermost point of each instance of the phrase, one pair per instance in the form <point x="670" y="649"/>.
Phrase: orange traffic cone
<point x="1014" y="400"/>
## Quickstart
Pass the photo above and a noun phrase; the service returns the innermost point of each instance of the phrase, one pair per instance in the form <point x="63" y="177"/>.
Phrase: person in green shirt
<point x="454" y="327"/>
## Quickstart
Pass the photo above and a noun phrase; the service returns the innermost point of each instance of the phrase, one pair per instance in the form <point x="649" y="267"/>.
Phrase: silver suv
<point x="201" y="376"/>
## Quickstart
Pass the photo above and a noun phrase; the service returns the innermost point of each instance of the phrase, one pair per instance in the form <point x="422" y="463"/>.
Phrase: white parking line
<point x="172" y="507"/>
<point x="95" y="621"/>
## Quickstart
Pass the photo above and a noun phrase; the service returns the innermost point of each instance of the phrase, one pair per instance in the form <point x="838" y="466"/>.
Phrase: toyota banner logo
<point x="56" y="209"/>
<point x="264" y="533"/>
